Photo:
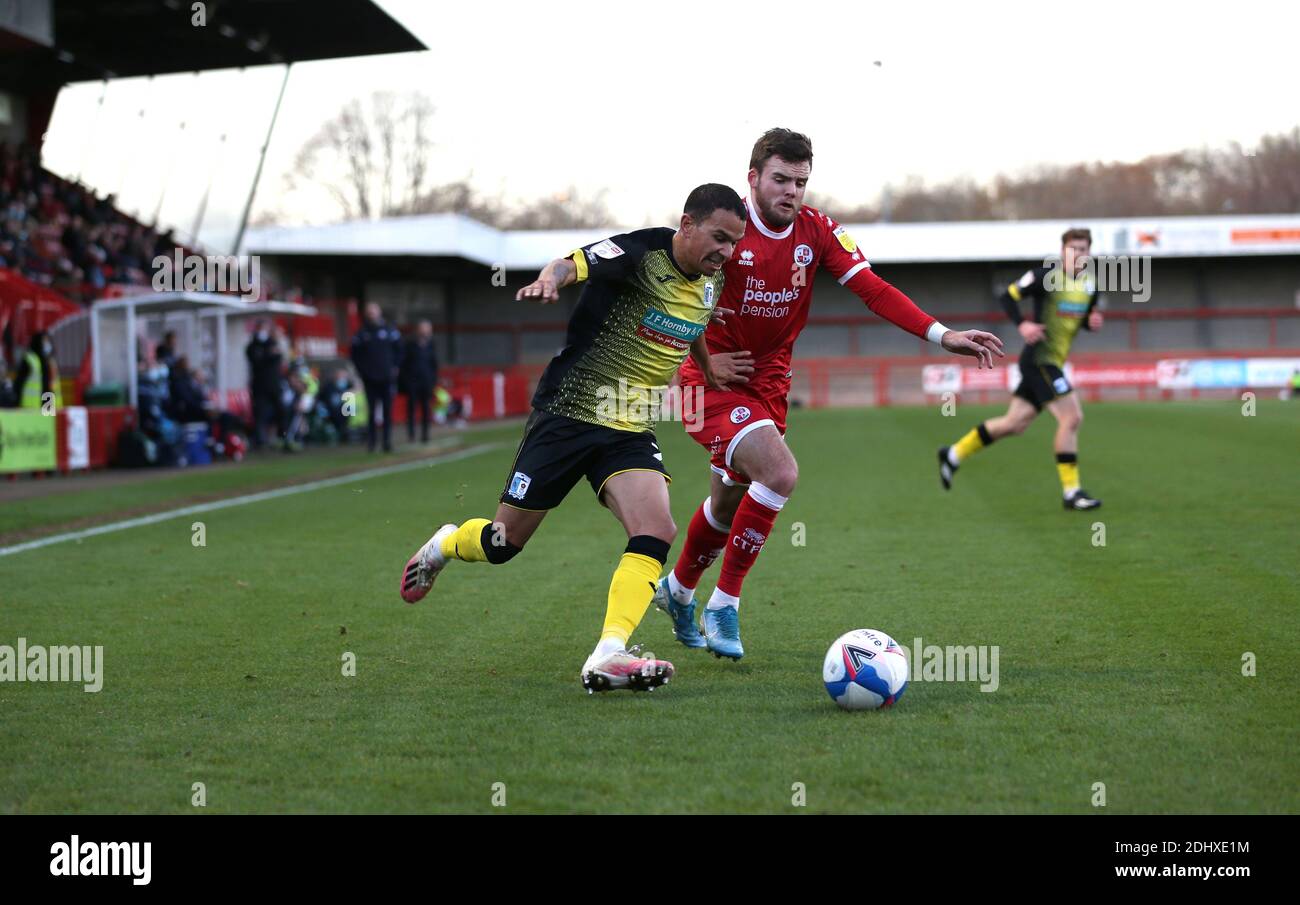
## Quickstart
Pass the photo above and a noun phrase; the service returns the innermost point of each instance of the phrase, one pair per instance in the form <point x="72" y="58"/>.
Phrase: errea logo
<point x="746" y="258"/>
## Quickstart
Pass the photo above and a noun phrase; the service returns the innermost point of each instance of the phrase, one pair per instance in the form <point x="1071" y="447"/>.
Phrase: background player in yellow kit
<point x="1064" y="301"/>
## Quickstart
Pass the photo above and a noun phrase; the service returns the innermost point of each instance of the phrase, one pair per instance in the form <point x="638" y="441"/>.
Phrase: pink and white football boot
<point x="625" y="669"/>
<point x="422" y="568"/>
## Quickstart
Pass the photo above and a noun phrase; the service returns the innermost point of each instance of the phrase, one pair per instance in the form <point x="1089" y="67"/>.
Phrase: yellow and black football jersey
<point x="1062" y="304"/>
<point x="635" y="321"/>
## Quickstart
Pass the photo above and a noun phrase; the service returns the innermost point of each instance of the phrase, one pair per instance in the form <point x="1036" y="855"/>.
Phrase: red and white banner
<point x="77" y="436"/>
<point x="1112" y="375"/>
<point x="939" y="379"/>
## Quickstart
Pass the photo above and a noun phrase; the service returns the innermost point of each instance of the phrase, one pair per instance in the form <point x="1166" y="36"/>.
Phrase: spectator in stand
<point x="331" y="396"/>
<point x="305" y="388"/>
<point x="377" y="354"/>
<point x="188" y="397"/>
<point x="420" y="376"/>
<point x="7" y="397"/>
<point x="166" y="351"/>
<point x="38" y="374"/>
<point x="265" y="362"/>
<point x="447" y="408"/>
<point x="153" y="400"/>
<point x="58" y="234"/>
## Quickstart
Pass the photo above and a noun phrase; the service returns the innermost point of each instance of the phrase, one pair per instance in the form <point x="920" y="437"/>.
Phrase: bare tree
<point x="372" y="158"/>
<point x="1260" y="180"/>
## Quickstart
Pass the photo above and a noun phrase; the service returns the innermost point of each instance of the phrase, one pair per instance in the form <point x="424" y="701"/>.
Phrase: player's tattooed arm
<point x="723" y="368"/>
<point x="554" y="276"/>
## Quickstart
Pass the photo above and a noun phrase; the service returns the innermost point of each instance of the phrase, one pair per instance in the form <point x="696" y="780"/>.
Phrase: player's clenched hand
<point x="720" y="315"/>
<point x="543" y="289"/>
<point x="729" y="367"/>
<point x="1031" y="331"/>
<point x="976" y="344"/>
<point x="1095" y="320"/>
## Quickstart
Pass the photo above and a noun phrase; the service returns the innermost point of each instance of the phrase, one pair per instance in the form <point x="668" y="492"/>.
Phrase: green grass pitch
<point x="1119" y="664"/>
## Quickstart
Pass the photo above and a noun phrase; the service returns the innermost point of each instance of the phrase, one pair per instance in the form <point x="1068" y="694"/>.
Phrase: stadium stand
<point x="60" y="235"/>
<point x="1225" y="287"/>
<point x="65" y="250"/>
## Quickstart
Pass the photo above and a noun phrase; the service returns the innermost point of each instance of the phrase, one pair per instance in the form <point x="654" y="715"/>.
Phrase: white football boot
<point x="624" y="669"/>
<point x="422" y="568"/>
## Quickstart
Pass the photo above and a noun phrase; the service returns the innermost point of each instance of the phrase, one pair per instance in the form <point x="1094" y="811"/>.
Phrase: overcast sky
<point x="648" y="100"/>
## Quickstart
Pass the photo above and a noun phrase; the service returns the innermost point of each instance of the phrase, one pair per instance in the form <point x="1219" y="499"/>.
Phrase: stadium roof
<point x="457" y="236"/>
<point x="94" y="39"/>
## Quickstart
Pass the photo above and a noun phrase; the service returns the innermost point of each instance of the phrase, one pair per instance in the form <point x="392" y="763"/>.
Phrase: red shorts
<point x="728" y="416"/>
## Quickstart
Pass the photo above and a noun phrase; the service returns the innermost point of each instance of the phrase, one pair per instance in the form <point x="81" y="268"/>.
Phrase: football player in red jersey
<point x="769" y="281"/>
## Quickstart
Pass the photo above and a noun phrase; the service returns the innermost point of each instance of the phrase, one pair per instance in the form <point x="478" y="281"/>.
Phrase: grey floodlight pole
<point x="257" y="176"/>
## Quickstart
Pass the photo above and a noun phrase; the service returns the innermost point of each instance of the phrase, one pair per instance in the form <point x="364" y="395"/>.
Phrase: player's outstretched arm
<point x="546" y="288"/>
<point x="975" y="343"/>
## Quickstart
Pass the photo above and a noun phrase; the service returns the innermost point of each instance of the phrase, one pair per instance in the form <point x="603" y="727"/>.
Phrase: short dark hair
<point x="705" y="199"/>
<point x="784" y="143"/>
<point x="1077" y="232"/>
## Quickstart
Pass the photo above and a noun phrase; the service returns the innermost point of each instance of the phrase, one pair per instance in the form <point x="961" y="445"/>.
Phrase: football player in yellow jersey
<point x="647" y="299"/>
<point x="1065" y="301"/>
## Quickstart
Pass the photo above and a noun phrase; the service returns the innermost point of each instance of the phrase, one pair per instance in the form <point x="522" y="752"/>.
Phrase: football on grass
<point x="865" y="669"/>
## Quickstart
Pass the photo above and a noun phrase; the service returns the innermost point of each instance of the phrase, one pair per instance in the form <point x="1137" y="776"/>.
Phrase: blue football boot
<point x="722" y="632"/>
<point x="684" y="628"/>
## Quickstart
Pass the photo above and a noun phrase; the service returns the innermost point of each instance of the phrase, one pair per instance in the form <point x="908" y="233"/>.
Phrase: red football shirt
<point x="769" y="284"/>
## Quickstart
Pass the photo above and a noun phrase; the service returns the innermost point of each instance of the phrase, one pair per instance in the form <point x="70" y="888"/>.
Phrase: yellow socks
<point x="466" y="542"/>
<point x="976" y="439"/>
<point x="1067" y="466"/>
<point x="630" y="593"/>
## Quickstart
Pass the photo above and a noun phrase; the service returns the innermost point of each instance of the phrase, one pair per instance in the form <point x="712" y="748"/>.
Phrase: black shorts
<point x="557" y="451"/>
<point x="1041" y="383"/>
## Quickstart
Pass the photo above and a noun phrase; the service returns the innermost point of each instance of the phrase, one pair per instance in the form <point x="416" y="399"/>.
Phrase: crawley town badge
<point x="803" y="255"/>
<point x="739" y="413"/>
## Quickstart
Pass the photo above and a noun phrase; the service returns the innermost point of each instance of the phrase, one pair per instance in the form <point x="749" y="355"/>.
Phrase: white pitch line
<point x="246" y="499"/>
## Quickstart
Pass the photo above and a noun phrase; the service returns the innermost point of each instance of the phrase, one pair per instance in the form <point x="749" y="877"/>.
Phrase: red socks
<point x="749" y="531"/>
<point x="705" y="540"/>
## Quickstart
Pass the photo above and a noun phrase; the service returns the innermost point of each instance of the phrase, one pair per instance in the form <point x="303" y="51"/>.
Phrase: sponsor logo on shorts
<point x="740" y="414"/>
<point x="1061" y="385"/>
<point x="519" y="485"/>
